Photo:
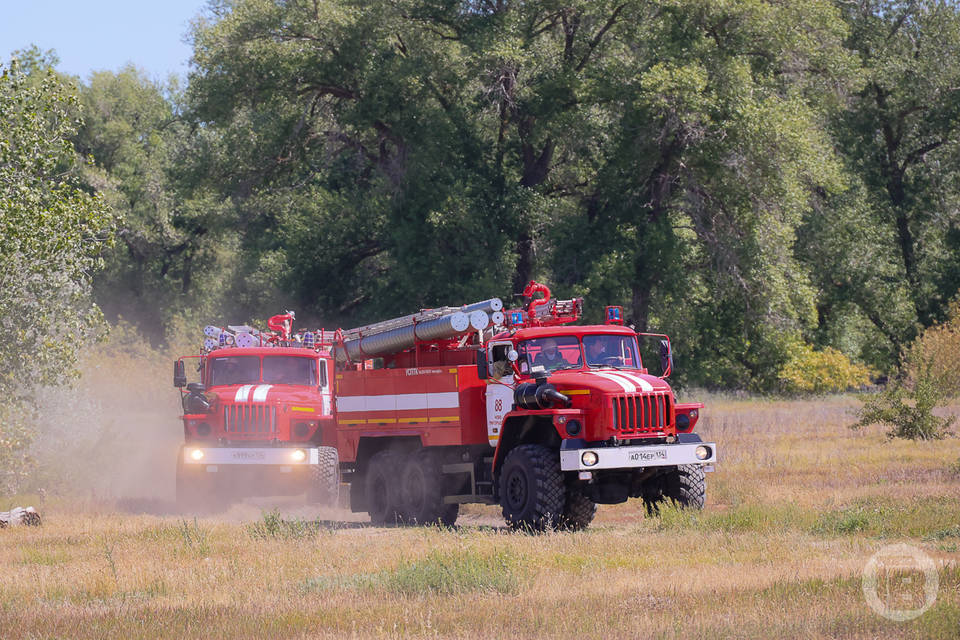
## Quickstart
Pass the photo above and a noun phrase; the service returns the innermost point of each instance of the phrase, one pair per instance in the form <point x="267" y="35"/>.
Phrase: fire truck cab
<point x="259" y="421"/>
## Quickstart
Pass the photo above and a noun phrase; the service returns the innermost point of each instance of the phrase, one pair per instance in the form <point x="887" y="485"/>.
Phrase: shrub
<point x="907" y="407"/>
<point x="810" y="371"/>
<point x="929" y="377"/>
<point x="938" y="348"/>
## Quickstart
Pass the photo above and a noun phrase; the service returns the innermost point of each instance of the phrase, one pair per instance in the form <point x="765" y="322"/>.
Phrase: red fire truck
<point x="260" y="420"/>
<point x="515" y="408"/>
<point x="464" y="404"/>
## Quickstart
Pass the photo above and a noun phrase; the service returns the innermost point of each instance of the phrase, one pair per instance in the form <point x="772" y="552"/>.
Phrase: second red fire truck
<point x="423" y="413"/>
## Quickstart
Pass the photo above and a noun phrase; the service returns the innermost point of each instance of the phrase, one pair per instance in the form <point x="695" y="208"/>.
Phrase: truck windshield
<point x="611" y="351"/>
<point x="234" y="370"/>
<point x="290" y="370"/>
<point x="561" y="352"/>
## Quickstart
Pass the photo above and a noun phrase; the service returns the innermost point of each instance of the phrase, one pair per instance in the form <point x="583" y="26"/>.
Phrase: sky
<point x="97" y="35"/>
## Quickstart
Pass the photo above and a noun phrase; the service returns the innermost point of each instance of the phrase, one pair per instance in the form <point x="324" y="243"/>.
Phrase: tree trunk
<point x="524" y="270"/>
<point x="640" y="305"/>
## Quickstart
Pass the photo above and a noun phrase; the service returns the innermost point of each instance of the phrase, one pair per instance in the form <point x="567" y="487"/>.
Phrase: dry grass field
<point x="796" y="509"/>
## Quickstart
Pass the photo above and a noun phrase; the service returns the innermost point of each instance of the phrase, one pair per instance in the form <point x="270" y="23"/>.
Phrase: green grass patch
<point x="944" y="534"/>
<point x="461" y="572"/>
<point x="439" y="573"/>
<point x="45" y="557"/>
<point x="929" y="518"/>
<point x="271" y="525"/>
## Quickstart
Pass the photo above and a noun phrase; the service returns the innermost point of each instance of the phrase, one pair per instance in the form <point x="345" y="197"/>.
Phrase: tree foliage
<point x="775" y="184"/>
<point x="52" y="235"/>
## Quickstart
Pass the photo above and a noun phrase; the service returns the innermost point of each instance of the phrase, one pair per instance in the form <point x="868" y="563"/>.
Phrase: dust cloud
<point x="115" y="433"/>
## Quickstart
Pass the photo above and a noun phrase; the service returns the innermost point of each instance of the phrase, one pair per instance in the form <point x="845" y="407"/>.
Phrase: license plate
<point x="651" y="455"/>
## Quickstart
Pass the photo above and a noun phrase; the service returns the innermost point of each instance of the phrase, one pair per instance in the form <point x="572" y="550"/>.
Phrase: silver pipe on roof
<point x="404" y="337"/>
<point x="488" y="306"/>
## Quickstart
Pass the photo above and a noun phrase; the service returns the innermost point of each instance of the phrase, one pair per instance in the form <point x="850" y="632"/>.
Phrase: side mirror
<point x="196" y="401"/>
<point x="666" y="358"/>
<point x="483" y="371"/>
<point x="179" y="374"/>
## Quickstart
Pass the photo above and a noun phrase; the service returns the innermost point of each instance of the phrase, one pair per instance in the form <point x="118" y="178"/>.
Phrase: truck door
<point x="499" y="400"/>
<point x="325" y="388"/>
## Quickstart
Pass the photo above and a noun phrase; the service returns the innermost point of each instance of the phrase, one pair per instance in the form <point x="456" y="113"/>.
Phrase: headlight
<point x="589" y="458"/>
<point x="299" y="455"/>
<point x="196" y="454"/>
<point x="683" y="421"/>
<point x="574" y="427"/>
<point x="702" y="452"/>
<point x="203" y="430"/>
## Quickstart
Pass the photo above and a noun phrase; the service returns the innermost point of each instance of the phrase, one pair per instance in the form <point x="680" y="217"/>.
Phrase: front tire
<point x="324" y="486"/>
<point x="684" y="487"/>
<point x="531" y="488"/>
<point x="578" y="511"/>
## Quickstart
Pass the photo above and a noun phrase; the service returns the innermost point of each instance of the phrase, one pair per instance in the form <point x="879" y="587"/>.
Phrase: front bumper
<point x="638" y="457"/>
<point x="285" y="456"/>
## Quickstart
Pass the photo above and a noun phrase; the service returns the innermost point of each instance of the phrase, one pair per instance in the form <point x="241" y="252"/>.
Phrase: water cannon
<point x="545" y="311"/>
<point x="282" y="324"/>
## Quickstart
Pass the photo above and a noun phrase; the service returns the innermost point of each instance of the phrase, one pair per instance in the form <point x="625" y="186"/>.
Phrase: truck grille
<point x="252" y="419"/>
<point x="642" y="413"/>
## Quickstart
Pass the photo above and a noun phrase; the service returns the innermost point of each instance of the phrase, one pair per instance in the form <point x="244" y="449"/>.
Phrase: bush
<point x="929" y="377"/>
<point x="810" y="371"/>
<point x="907" y="407"/>
<point x="938" y="349"/>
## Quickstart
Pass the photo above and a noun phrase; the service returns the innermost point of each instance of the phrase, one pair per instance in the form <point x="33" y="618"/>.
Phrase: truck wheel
<point x="382" y="496"/>
<point x="324" y="486"/>
<point x="421" y="490"/>
<point x="685" y="487"/>
<point x="578" y="511"/>
<point x="531" y="488"/>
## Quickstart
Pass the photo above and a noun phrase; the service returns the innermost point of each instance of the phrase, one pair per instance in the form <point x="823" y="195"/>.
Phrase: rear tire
<point x="381" y="488"/>
<point x="531" y="488"/>
<point x="578" y="511"/>
<point x="684" y="487"/>
<point x="421" y="491"/>
<point x="324" y="486"/>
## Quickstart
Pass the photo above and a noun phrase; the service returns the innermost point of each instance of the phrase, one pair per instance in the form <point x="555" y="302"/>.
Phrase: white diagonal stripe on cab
<point x="242" y="393"/>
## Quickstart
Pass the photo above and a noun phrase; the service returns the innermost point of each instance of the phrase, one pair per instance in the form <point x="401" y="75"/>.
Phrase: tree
<point x="174" y="232"/>
<point x="52" y="233"/>
<point x="893" y="242"/>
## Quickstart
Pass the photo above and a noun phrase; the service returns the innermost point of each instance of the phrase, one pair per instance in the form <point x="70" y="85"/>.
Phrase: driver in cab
<point x="549" y="357"/>
<point x="602" y="351"/>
